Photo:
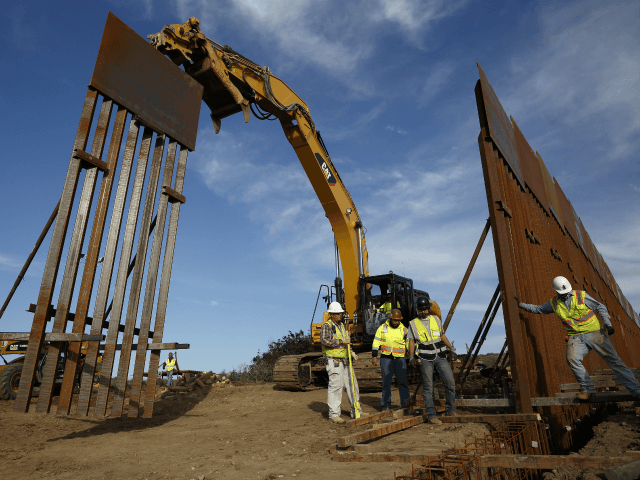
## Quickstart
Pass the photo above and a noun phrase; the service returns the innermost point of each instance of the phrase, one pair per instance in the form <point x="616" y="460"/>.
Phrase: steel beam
<point x="52" y="263"/>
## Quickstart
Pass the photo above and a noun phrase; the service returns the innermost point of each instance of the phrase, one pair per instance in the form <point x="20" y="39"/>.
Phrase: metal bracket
<point x="91" y="160"/>
<point x="173" y="195"/>
<point x="503" y="207"/>
<point x="532" y="236"/>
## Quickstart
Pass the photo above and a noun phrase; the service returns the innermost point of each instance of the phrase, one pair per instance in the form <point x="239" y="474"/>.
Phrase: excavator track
<point x="303" y="372"/>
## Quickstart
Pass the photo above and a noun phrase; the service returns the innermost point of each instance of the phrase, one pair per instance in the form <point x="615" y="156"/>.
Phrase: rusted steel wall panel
<point x="530" y="168"/>
<point x="137" y="76"/>
<point x="534" y="244"/>
<point x="550" y="190"/>
<point x="499" y="126"/>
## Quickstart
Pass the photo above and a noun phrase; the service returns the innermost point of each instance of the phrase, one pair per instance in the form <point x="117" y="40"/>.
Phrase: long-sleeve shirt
<point x="326" y="335"/>
<point x="545" y="308"/>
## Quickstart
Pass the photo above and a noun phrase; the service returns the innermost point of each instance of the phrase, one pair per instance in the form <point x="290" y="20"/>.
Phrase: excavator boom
<point x="232" y="84"/>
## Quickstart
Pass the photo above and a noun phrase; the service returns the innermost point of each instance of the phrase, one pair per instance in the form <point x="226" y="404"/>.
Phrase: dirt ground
<point x="241" y="432"/>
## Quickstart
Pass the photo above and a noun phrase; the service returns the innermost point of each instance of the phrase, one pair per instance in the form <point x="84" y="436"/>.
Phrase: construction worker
<point x="171" y="364"/>
<point x="433" y="347"/>
<point x="577" y="311"/>
<point x="334" y="339"/>
<point x="391" y="341"/>
<point x="385" y="307"/>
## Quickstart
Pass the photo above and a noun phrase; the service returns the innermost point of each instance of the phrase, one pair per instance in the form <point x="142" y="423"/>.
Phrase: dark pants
<point x="427" y="385"/>
<point x="389" y="366"/>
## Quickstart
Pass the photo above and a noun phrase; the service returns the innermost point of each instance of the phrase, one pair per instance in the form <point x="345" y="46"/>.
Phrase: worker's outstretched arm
<point x="543" y="309"/>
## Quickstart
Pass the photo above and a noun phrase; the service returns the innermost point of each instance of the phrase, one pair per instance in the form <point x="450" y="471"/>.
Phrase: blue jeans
<point x="427" y="385"/>
<point x="389" y="366"/>
<point x="578" y="347"/>
<point x="169" y="376"/>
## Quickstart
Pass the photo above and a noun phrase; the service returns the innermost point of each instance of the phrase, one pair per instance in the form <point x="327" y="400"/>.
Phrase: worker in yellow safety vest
<point x="171" y="365"/>
<point x="334" y="338"/>
<point x="391" y="342"/>
<point x="577" y="312"/>
<point x="425" y="332"/>
<point x="386" y="306"/>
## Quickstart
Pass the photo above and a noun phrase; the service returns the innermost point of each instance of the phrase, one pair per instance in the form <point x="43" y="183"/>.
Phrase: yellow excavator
<point x="11" y="371"/>
<point x="233" y="84"/>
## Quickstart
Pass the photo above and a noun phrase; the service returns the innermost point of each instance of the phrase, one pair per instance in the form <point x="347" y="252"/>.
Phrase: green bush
<point x="261" y="367"/>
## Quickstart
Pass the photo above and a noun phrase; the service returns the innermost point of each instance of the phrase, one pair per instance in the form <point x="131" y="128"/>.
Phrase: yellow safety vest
<point x="391" y="341"/>
<point x="170" y="363"/>
<point x="429" y="339"/>
<point x="386" y="307"/>
<point x="580" y="318"/>
<point x="339" y="333"/>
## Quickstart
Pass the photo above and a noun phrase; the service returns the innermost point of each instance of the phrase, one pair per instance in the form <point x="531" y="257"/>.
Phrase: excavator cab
<point x="381" y="293"/>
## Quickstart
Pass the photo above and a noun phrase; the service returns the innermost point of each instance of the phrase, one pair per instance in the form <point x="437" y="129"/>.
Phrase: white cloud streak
<point x="586" y="72"/>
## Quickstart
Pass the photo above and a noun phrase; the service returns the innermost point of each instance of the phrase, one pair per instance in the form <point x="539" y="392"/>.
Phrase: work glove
<point x="354" y="356"/>
<point x="412" y="361"/>
<point x="453" y="350"/>
<point x="610" y="330"/>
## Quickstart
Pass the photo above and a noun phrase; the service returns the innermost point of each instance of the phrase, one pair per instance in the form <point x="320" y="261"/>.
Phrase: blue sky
<point x="390" y="86"/>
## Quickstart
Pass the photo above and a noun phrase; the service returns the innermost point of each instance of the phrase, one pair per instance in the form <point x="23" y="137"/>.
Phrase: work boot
<point x="362" y="414"/>
<point x="583" y="396"/>
<point x="336" y="420"/>
<point x="435" y="421"/>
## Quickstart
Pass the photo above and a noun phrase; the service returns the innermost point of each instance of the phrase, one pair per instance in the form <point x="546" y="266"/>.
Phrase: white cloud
<point x="397" y="130"/>
<point x="213" y="303"/>
<point x="635" y="187"/>
<point x="7" y="261"/>
<point x="584" y="76"/>
<point x="335" y="37"/>
<point x="416" y="15"/>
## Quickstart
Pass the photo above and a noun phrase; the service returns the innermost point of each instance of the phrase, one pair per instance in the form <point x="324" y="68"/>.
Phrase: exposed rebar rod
<point x="22" y="273"/>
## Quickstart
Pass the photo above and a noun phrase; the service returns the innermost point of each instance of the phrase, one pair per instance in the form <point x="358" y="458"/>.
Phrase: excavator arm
<point x="232" y="84"/>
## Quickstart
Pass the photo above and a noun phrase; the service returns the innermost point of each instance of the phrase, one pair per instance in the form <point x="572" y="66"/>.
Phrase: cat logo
<point x="331" y="180"/>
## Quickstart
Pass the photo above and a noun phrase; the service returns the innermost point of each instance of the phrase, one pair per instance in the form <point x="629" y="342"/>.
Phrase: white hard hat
<point x="561" y="285"/>
<point x="335" y="307"/>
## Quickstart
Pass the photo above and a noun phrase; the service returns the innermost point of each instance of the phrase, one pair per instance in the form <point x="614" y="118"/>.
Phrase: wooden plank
<point x="377" y="432"/>
<point x="559" y="401"/>
<point x="106" y="271"/>
<point x="71" y="317"/>
<point x="52" y="263"/>
<point x="168" y="346"/>
<point x="92" y="160"/>
<point x="512" y="417"/>
<point x="421" y="459"/>
<point x="55" y="337"/>
<point x="371" y="418"/>
<point x="200" y="384"/>
<point x="547" y="462"/>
